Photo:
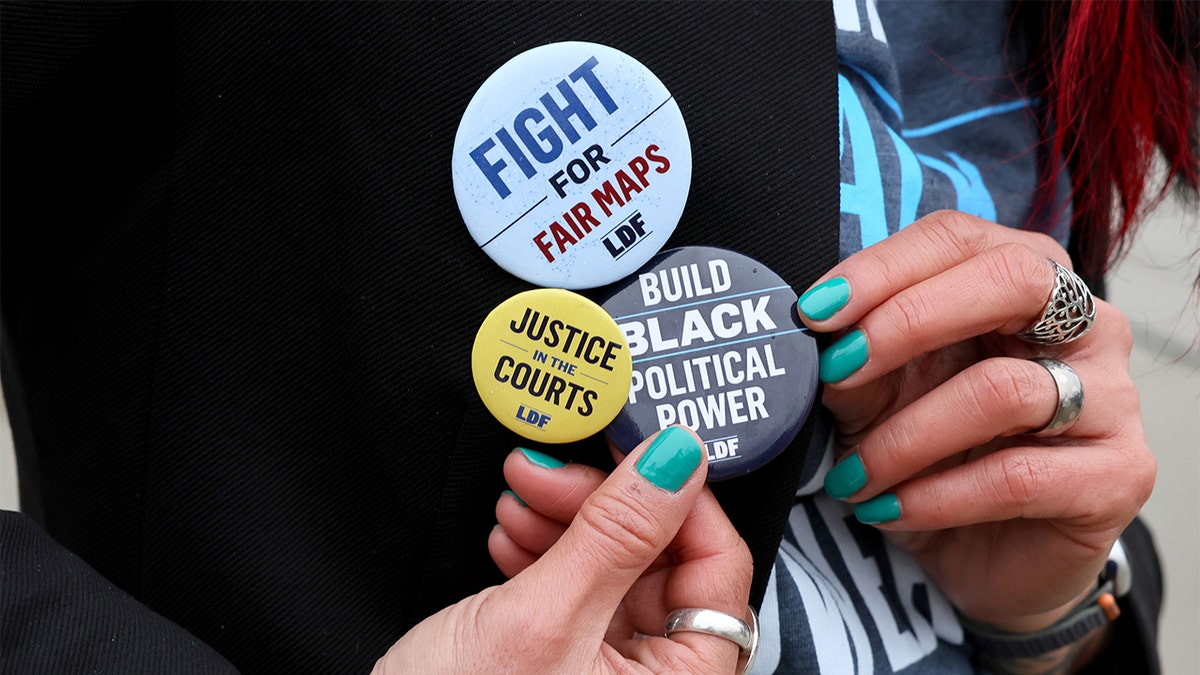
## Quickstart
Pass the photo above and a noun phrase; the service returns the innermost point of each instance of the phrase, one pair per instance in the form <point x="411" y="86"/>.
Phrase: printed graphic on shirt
<point x="884" y="181"/>
<point x="846" y="601"/>
<point x="929" y="119"/>
<point x="849" y="14"/>
<point x="964" y="138"/>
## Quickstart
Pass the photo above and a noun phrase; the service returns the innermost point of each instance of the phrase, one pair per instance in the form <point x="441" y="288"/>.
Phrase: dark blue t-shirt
<point x="930" y="119"/>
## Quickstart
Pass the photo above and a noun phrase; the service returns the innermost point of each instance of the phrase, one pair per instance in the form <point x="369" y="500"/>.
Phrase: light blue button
<point x="572" y="165"/>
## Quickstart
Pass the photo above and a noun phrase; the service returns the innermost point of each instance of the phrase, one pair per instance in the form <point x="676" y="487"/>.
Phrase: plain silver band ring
<point x="1070" y="396"/>
<point x="720" y="624"/>
<point x="1068" y="314"/>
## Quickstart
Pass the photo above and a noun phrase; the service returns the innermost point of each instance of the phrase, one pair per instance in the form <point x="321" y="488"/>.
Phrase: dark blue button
<point x="717" y="346"/>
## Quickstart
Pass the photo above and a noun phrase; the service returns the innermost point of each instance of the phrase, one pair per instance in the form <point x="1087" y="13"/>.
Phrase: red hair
<point x="1120" y="80"/>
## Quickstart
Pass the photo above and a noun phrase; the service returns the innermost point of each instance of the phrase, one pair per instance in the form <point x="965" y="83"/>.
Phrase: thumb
<point x="622" y="527"/>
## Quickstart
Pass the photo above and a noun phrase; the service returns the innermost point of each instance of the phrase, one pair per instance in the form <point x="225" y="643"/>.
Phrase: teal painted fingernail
<point x="825" y="299"/>
<point x="671" y="459"/>
<point x="516" y="497"/>
<point x="844" y="357"/>
<point x="540" y="459"/>
<point x="846" y="478"/>
<point x="882" y="509"/>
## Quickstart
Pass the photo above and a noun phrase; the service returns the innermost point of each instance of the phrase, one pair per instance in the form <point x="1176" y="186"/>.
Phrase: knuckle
<point x="1146" y="480"/>
<point x="743" y="561"/>
<point x="583" y="483"/>
<point x="891" y="447"/>
<point x="1020" y="273"/>
<point x="733" y="568"/>
<point x="1131" y="480"/>
<point x="1044" y="244"/>
<point x="1141" y="477"/>
<point x="952" y="231"/>
<point x="1021" y="479"/>
<point x="1118" y="331"/>
<point x="883" y="264"/>
<point x="625" y="534"/>
<point x="914" y="312"/>
<point x="937" y="503"/>
<point x="1003" y="387"/>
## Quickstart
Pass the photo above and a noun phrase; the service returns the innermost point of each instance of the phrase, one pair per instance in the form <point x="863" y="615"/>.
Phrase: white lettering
<point x="676" y="379"/>
<point x="657" y="343"/>
<point x="695" y="329"/>
<point x="700" y="326"/>
<point x="710" y="410"/>
<point x="650" y="293"/>
<point x="635" y="334"/>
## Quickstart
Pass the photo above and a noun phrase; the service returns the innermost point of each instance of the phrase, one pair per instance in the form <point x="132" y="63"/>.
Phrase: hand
<point x="934" y="400"/>
<point x="596" y="572"/>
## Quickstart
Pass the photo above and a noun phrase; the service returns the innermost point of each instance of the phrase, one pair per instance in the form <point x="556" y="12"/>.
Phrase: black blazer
<point x="239" y="300"/>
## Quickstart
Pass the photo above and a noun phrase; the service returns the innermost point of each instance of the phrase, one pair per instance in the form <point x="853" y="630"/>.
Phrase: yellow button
<point x="551" y="365"/>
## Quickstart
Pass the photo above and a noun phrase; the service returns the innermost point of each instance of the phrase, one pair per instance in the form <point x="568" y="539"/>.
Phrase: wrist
<point x="1094" y="607"/>
<point x="1081" y="622"/>
<point x="1061" y="641"/>
<point x="1115" y="580"/>
<point x="1032" y="623"/>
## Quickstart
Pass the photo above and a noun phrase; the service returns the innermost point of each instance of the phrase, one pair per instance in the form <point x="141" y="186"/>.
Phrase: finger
<point x="1108" y="345"/>
<point x="990" y="399"/>
<point x="548" y="486"/>
<point x="856" y="411"/>
<point x="994" y="398"/>
<point x="529" y="529"/>
<point x="918" y="252"/>
<point x="1069" y="483"/>
<point x="1002" y="290"/>
<point x="556" y="489"/>
<point x="714" y="564"/>
<point x="509" y="556"/>
<point x="619" y="531"/>
<point x="713" y="570"/>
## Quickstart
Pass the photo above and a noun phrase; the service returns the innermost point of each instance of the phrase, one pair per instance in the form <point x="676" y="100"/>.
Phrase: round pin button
<point x="571" y="165"/>
<point x="717" y="346"/>
<point x="551" y="365"/>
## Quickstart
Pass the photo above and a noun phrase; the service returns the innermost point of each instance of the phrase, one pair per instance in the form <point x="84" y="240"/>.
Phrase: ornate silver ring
<point x="1068" y="314"/>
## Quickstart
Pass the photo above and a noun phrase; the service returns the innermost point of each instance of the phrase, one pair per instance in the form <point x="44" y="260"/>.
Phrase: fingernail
<point x="671" y="459"/>
<point x="515" y="496"/>
<point x="825" y="299"/>
<point x="882" y="509"/>
<point x="846" y="477"/>
<point x="540" y="459"/>
<point x="844" y="357"/>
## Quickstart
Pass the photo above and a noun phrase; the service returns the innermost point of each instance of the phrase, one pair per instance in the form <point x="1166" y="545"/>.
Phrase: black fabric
<point x="44" y="630"/>
<point x="1134" y="644"/>
<point x="238" y="299"/>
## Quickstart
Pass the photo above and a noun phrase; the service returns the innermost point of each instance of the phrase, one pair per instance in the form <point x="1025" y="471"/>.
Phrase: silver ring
<point x="1068" y="314"/>
<point x="1070" y="396"/>
<point x="720" y="624"/>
